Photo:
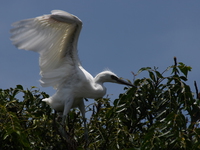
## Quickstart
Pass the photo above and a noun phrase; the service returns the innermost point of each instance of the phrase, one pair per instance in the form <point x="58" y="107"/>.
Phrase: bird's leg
<point x="85" y="129"/>
<point x="82" y="109"/>
<point x="54" y="120"/>
<point x="62" y="129"/>
<point x="59" y="116"/>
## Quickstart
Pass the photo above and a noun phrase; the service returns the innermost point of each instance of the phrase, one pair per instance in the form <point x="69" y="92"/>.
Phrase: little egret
<point x="55" y="38"/>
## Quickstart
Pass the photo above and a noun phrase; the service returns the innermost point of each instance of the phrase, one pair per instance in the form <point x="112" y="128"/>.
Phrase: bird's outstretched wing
<point x="55" y="38"/>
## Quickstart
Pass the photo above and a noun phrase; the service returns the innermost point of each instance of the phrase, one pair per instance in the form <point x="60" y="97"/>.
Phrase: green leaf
<point x="152" y="76"/>
<point x="184" y="69"/>
<point x="143" y="69"/>
<point x="159" y="75"/>
<point x="20" y="87"/>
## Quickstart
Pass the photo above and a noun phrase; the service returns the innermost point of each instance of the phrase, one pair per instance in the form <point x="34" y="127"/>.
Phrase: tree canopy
<point x="160" y="112"/>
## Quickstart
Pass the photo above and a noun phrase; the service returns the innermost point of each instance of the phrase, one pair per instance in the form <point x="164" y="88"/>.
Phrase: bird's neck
<point x="98" y="90"/>
<point x="93" y="88"/>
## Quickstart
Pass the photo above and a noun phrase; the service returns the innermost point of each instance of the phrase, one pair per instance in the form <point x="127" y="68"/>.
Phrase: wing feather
<point x="55" y="38"/>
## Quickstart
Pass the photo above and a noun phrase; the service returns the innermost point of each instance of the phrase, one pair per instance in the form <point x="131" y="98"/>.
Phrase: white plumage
<point x="55" y="38"/>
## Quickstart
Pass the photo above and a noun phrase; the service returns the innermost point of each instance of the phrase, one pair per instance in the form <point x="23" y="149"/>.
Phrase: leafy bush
<point x="160" y="112"/>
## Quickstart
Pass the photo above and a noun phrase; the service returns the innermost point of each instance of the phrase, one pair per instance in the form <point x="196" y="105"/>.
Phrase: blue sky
<point x="122" y="35"/>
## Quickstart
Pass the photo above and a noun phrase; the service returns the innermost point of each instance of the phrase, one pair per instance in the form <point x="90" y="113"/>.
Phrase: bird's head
<point x="108" y="76"/>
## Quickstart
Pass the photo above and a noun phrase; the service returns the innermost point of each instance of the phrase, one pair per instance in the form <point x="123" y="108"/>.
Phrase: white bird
<point x="55" y="38"/>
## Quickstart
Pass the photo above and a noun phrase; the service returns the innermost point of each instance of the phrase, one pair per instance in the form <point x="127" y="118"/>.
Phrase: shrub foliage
<point x="160" y="112"/>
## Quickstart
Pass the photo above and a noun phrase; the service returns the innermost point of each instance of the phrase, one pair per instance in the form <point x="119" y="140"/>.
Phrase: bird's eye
<point x="114" y="77"/>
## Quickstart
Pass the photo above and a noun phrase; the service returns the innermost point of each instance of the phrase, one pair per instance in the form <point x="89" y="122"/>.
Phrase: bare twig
<point x="175" y="64"/>
<point x="134" y="75"/>
<point x="197" y="91"/>
<point x="175" y="61"/>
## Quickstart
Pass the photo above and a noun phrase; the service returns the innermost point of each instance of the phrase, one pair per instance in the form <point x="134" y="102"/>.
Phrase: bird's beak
<point x="120" y="81"/>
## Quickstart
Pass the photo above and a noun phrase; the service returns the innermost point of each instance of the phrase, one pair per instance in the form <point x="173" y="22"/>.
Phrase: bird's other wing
<point x="55" y="38"/>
